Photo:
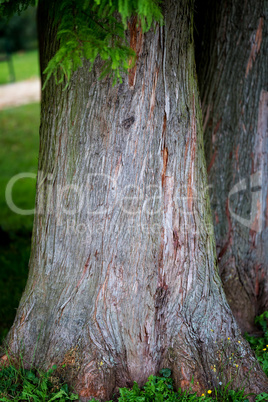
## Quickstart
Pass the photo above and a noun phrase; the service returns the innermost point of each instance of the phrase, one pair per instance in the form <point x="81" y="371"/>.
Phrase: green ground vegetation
<point x="25" y="64"/>
<point x="19" y="384"/>
<point x="260" y="343"/>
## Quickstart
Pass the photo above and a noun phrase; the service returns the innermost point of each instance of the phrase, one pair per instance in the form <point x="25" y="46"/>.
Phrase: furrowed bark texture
<point x="233" y="69"/>
<point x="123" y="278"/>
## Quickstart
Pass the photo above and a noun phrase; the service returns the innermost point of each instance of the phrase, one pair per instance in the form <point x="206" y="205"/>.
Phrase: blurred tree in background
<point x="19" y="32"/>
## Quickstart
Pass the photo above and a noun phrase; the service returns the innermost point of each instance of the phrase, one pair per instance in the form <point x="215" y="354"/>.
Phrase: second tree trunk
<point x="233" y="72"/>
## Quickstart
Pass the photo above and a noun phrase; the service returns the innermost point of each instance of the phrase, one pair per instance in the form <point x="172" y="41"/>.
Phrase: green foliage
<point x="161" y="389"/>
<point x="11" y="7"/>
<point x="224" y="394"/>
<point x="263" y="397"/>
<point x="32" y="385"/>
<point x="91" y="28"/>
<point x="157" y="388"/>
<point x="260" y="344"/>
<point x="165" y="372"/>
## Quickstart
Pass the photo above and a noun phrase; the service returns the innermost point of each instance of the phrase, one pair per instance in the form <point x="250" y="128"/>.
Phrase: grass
<point x="20" y="384"/>
<point x="25" y="64"/>
<point x="162" y="389"/>
<point x="260" y="344"/>
<point x="18" y="153"/>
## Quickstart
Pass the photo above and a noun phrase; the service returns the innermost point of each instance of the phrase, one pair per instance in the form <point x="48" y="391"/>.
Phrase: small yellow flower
<point x="212" y="330"/>
<point x="203" y="395"/>
<point x="239" y="342"/>
<point x="214" y="369"/>
<point x="264" y="349"/>
<point x="228" y="339"/>
<point x="101" y="363"/>
<point x="209" y="391"/>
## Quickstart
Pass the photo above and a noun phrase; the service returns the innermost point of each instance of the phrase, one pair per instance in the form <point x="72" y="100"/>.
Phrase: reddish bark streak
<point x="212" y="160"/>
<point x="84" y="272"/>
<point x="176" y="242"/>
<point x="118" y="165"/>
<point x="5" y="361"/>
<point x="255" y="46"/>
<point x="90" y="391"/>
<point x="190" y="194"/>
<point x="165" y="161"/>
<point x="236" y="154"/>
<point x="22" y="319"/>
<point x="136" y="40"/>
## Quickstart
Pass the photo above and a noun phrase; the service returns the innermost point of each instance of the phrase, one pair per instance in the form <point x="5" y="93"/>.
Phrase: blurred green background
<point x="18" y="153"/>
<point x="18" y="41"/>
<point x="19" y="127"/>
<point x="25" y="64"/>
<point x="19" y="32"/>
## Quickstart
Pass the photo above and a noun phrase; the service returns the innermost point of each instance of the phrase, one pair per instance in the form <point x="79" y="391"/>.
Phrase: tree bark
<point x="233" y="84"/>
<point x="123" y="278"/>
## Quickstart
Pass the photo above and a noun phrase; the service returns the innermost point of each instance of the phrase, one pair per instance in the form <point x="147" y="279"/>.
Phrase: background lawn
<point x="18" y="153"/>
<point x="26" y="65"/>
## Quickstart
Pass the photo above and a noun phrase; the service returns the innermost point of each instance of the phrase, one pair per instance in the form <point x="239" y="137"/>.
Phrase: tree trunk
<point x="233" y="73"/>
<point x="123" y="278"/>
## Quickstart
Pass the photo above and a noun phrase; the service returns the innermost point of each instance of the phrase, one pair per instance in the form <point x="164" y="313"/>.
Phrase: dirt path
<point x="20" y="93"/>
